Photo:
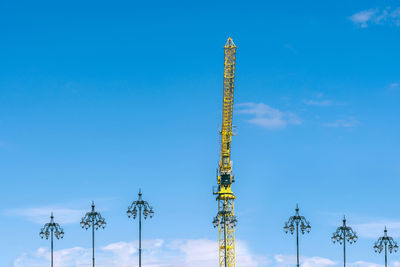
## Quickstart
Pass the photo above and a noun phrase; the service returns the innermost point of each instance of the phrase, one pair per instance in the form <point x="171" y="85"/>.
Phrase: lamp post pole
<point x="344" y="252"/>
<point x="296" y="221"/>
<point x="93" y="242"/>
<point x="51" y="229"/>
<point x="95" y="220"/>
<point x="227" y="219"/>
<point x="140" y="236"/>
<point x="385" y="255"/>
<point x="52" y="248"/>
<point x="297" y="244"/>
<point x="387" y="242"/>
<point x="344" y="233"/>
<point x="144" y="208"/>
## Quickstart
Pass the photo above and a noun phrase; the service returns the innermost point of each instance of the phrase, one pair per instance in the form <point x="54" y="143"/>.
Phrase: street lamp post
<point x="147" y="210"/>
<point x="342" y="234"/>
<point x="50" y="229"/>
<point x="387" y="242"/>
<point x="296" y="221"/>
<point x="93" y="219"/>
<point x="225" y="218"/>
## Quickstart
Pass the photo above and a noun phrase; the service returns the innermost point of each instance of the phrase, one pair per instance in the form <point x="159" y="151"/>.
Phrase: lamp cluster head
<point x="93" y="218"/>
<point x="344" y="233"/>
<point x="296" y="221"/>
<point x="224" y="218"/>
<point x="140" y="206"/>
<point x="386" y="241"/>
<point x="50" y="228"/>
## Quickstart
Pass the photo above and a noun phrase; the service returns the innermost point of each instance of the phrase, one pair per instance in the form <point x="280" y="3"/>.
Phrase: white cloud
<point x="394" y="85"/>
<point x="346" y="123"/>
<point x="371" y="264"/>
<point x="42" y="215"/>
<point x="156" y="253"/>
<point x="376" y="16"/>
<point x="268" y="117"/>
<point x="365" y="264"/>
<point x="76" y="256"/>
<point x="174" y="253"/>
<point x="289" y="260"/>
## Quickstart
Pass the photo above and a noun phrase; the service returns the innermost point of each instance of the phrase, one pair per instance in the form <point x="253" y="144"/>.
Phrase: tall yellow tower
<point x="226" y="220"/>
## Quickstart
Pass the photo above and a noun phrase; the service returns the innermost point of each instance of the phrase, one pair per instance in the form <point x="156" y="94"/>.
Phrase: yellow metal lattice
<point x="226" y="197"/>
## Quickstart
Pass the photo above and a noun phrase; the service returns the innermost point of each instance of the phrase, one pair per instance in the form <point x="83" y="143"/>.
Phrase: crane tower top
<point x="230" y="43"/>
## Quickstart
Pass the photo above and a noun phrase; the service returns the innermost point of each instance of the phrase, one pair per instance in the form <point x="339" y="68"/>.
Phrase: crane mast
<point x="225" y="178"/>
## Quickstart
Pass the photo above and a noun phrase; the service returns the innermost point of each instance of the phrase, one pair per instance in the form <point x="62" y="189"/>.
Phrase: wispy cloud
<point x="268" y="117"/>
<point x="362" y="18"/>
<point x="41" y="215"/>
<point x="376" y="16"/>
<point x="319" y="100"/>
<point x="156" y="253"/>
<point x="319" y="103"/>
<point x="393" y="87"/>
<point x="346" y="123"/>
<point x="375" y="229"/>
<point x="290" y="48"/>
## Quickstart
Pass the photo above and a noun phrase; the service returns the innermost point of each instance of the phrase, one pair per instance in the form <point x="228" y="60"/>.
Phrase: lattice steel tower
<point x="226" y="220"/>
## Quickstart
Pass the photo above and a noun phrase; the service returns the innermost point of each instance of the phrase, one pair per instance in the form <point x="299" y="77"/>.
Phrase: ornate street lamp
<point x="93" y="219"/>
<point x="50" y="229"/>
<point x="225" y="218"/>
<point x="147" y="211"/>
<point x="343" y="234"/>
<point x="387" y="242"/>
<point x="296" y="221"/>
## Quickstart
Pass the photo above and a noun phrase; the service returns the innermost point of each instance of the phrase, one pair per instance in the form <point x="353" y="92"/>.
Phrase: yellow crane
<point x="225" y="219"/>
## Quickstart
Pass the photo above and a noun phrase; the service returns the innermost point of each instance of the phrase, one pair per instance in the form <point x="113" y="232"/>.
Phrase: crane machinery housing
<point x="225" y="178"/>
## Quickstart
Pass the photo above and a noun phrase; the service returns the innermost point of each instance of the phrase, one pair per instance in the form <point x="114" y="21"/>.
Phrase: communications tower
<point x="226" y="220"/>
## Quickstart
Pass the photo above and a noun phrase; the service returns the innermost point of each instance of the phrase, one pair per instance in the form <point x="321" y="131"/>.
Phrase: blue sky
<point x="98" y="99"/>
